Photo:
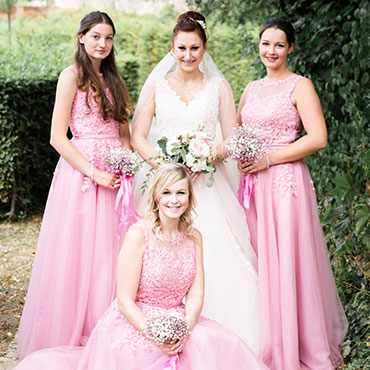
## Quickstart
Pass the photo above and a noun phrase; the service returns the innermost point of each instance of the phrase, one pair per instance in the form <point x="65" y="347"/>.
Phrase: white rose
<point x="172" y="143"/>
<point x="189" y="159"/>
<point x="199" y="165"/>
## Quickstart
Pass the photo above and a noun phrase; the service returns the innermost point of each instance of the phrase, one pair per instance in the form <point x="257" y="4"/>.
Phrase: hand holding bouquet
<point x="166" y="327"/>
<point x="195" y="150"/>
<point x="244" y="144"/>
<point x="125" y="163"/>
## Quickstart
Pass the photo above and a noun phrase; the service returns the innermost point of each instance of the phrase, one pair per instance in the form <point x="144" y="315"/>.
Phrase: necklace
<point x="187" y="90"/>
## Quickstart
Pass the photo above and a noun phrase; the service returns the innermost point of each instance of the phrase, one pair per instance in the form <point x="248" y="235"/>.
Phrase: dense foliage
<point x="332" y="49"/>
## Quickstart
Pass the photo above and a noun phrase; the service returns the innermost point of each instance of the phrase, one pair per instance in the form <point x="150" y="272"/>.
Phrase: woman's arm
<point x="140" y="132"/>
<point x="128" y="276"/>
<point x="241" y="104"/>
<point x="304" y="97"/>
<point x="195" y="296"/>
<point x="66" y="91"/>
<point x="227" y="115"/>
<point x="124" y="135"/>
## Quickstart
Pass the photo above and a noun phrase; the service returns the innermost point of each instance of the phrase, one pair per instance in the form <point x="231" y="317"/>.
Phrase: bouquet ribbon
<point x="245" y="190"/>
<point x="125" y="211"/>
<point x="172" y="363"/>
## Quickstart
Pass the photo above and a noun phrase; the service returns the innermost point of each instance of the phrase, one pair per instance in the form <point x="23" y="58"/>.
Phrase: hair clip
<point x="201" y="23"/>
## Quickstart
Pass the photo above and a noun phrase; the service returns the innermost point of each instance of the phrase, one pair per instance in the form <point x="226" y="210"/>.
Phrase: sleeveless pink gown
<point x="302" y="321"/>
<point x="74" y="271"/>
<point x="167" y="273"/>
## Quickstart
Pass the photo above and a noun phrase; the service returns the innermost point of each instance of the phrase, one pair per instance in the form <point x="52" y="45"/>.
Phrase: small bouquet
<point x="195" y="150"/>
<point x="167" y="327"/>
<point x="122" y="161"/>
<point x="244" y="144"/>
<point x="125" y="163"/>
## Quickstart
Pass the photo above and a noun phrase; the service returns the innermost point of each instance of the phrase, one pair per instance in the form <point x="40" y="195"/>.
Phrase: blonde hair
<point x="166" y="175"/>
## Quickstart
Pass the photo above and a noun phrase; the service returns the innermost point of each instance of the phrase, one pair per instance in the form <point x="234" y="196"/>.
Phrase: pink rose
<point x="199" y="147"/>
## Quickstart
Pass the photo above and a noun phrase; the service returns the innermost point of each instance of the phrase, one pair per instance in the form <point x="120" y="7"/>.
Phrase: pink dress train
<point x="302" y="321"/>
<point x="74" y="271"/>
<point x="167" y="273"/>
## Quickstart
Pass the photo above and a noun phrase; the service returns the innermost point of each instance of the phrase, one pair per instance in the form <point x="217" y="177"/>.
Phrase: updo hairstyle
<point x="191" y="22"/>
<point x="281" y="24"/>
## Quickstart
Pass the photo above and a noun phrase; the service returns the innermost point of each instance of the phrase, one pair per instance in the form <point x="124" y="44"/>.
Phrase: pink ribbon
<point x="245" y="190"/>
<point x="172" y="363"/>
<point x="126" y="211"/>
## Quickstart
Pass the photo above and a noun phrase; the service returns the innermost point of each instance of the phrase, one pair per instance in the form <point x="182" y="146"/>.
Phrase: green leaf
<point x="362" y="216"/>
<point x="210" y="181"/>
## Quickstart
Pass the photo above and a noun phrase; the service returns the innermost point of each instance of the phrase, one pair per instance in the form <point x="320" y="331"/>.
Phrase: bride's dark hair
<point x="117" y="105"/>
<point x="191" y="22"/>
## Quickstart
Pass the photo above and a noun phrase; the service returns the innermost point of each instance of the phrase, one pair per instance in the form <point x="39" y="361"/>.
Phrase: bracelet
<point x="92" y="172"/>
<point x="267" y="161"/>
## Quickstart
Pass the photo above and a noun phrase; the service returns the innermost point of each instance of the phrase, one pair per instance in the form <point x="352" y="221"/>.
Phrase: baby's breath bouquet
<point x="122" y="161"/>
<point x="195" y="150"/>
<point x="166" y="327"/>
<point x="244" y="144"/>
<point x="125" y="163"/>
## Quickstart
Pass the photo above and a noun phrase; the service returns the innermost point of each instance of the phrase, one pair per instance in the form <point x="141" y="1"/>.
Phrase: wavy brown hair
<point x="166" y="175"/>
<point x="118" y="104"/>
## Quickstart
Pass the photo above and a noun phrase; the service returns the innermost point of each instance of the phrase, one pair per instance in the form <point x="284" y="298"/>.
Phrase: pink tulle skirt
<point x="74" y="273"/>
<point x="116" y="345"/>
<point x="302" y="321"/>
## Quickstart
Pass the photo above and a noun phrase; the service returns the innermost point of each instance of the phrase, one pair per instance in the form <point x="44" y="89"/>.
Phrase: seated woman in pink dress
<point x="302" y="321"/>
<point x="159" y="265"/>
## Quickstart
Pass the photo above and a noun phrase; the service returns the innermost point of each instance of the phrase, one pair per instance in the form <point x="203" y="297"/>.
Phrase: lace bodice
<point x="93" y="136"/>
<point x="174" y="116"/>
<point x="168" y="269"/>
<point x="86" y="123"/>
<point x="269" y="108"/>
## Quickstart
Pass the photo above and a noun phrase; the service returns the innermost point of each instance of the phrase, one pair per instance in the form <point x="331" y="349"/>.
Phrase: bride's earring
<point x="172" y="53"/>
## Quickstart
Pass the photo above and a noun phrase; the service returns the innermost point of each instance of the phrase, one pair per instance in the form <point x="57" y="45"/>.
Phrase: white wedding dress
<point x="231" y="293"/>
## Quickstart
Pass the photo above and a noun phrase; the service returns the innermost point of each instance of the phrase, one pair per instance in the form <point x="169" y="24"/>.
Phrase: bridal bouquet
<point x="244" y="144"/>
<point x="125" y="163"/>
<point x="195" y="150"/>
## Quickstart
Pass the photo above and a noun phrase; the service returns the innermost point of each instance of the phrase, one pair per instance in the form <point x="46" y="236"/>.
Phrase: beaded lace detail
<point x="92" y="135"/>
<point x="174" y="116"/>
<point x="166" y="276"/>
<point x="269" y="108"/>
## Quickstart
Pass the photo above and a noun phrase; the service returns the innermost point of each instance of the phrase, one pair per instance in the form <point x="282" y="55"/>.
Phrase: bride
<point x="186" y="91"/>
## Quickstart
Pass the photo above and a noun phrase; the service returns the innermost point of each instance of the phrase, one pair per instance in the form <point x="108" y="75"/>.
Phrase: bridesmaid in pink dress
<point x="74" y="272"/>
<point x="160" y="263"/>
<point x="302" y="321"/>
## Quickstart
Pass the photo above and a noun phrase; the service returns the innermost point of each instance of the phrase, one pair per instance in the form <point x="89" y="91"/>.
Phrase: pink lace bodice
<point x="168" y="270"/>
<point x="269" y="108"/>
<point x="93" y="136"/>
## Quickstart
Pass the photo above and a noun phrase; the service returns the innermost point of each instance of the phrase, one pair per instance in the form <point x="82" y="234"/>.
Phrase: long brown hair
<point x="119" y="106"/>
